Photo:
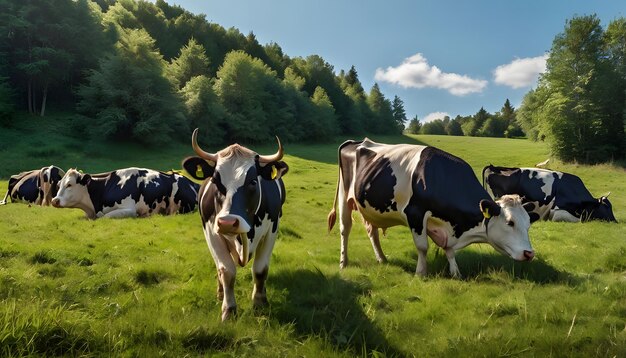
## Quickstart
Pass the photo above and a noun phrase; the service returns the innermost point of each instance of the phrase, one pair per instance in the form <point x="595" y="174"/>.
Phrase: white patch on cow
<point x="127" y="203"/>
<point x="148" y="178"/>
<point x="563" y="215"/>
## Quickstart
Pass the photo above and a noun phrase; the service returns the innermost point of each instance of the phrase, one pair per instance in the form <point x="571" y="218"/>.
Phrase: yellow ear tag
<point x="199" y="172"/>
<point x="486" y="213"/>
<point x="274" y="172"/>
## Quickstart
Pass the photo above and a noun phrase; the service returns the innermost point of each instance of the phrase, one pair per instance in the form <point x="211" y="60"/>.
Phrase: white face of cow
<point x="508" y="231"/>
<point x="72" y="191"/>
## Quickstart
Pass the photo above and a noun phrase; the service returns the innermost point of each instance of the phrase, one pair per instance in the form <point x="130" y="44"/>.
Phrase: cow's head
<point x="507" y="224"/>
<point x="233" y="188"/>
<point x="600" y="209"/>
<point x="49" y="179"/>
<point x="73" y="191"/>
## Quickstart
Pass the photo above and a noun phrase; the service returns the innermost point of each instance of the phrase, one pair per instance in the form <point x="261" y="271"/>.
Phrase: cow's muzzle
<point x="232" y="224"/>
<point x="529" y="255"/>
<point x="56" y="202"/>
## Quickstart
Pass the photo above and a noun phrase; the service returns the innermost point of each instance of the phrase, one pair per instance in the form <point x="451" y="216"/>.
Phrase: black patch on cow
<point x="186" y="196"/>
<point x="375" y="181"/>
<point x="27" y="188"/>
<point x="445" y="185"/>
<point x="246" y="198"/>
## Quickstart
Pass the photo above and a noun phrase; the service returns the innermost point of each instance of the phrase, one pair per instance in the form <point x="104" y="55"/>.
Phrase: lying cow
<point x="550" y="195"/>
<point x="34" y="187"/>
<point x="433" y="193"/>
<point x="240" y="203"/>
<point x="130" y="192"/>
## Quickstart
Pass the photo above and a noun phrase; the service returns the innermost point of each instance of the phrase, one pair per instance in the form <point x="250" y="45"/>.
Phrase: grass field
<point x="146" y="287"/>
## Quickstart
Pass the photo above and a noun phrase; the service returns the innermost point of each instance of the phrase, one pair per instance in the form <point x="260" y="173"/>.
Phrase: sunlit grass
<point x="147" y="287"/>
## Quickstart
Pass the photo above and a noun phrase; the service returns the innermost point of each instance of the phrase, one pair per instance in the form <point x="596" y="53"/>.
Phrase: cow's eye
<point x="510" y="223"/>
<point x="68" y="185"/>
<point x="252" y="183"/>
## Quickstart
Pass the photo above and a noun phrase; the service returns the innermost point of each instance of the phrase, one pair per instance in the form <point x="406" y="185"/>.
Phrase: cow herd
<point x="433" y="193"/>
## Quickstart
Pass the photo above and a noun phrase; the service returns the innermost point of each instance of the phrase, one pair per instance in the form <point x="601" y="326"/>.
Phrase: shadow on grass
<point x="486" y="267"/>
<point x="327" y="306"/>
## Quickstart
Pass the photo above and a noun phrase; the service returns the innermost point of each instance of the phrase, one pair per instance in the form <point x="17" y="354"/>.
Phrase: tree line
<point x="482" y="124"/>
<point x="148" y="72"/>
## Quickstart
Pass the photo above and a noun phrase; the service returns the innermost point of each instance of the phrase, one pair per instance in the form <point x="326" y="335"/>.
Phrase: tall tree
<point x="191" y="62"/>
<point x="415" y="126"/>
<point x="129" y="97"/>
<point x="204" y="110"/>
<point x="399" y="114"/>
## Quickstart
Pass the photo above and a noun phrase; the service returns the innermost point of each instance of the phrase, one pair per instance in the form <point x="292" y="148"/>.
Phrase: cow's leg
<point x="345" y="226"/>
<point x="121" y="213"/>
<point x="4" y="201"/>
<point x="260" y="269"/>
<point x="454" y="268"/>
<point x="372" y="232"/>
<point x="421" y="243"/>
<point x="563" y="215"/>
<point x="226" y="272"/>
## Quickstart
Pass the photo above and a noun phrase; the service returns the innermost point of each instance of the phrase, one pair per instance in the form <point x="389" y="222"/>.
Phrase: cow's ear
<point x="273" y="170"/>
<point x="198" y="168"/>
<point x="489" y="208"/>
<point x="85" y="179"/>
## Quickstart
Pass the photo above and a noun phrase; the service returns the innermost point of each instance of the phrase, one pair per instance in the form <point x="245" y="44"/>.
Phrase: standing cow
<point x="550" y="195"/>
<point x="433" y="193"/>
<point x="129" y="192"/>
<point x="240" y="203"/>
<point x="34" y="187"/>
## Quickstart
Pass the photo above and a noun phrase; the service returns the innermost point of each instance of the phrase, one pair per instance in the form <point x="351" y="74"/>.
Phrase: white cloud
<point x="415" y="72"/>
<point x="435" y="115"/>
<point x="521" y="72"/>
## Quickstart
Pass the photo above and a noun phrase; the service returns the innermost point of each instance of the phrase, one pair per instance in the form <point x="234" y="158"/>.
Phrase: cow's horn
<point x="274" y="157"/>
<point x="198" y="150"/>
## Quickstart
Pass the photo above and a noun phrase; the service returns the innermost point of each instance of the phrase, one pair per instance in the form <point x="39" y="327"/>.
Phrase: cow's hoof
<point x="259" y="301"/>
<point x="343" y="264"/>
<point x="228" y="313"/>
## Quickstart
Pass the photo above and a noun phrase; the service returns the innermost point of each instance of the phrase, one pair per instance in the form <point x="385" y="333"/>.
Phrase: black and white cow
<point x="433" y="193"/>
<point x="549" y="195"/>
<point x="34" y="187"/>
<point x="240" y="203"/>
<point x="129" y="192"/>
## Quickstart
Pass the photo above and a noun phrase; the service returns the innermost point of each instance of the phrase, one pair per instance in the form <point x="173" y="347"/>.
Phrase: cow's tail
<point x="332" y="216"/>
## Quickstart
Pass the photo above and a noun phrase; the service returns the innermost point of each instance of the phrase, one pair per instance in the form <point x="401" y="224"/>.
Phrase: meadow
<point x="146" y="287"/>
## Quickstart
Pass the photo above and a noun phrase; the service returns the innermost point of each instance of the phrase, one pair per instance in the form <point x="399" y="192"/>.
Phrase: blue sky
<point x="439" y="56"/>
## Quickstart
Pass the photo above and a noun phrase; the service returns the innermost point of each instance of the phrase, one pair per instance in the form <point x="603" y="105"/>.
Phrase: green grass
<point x="146" y="287"/>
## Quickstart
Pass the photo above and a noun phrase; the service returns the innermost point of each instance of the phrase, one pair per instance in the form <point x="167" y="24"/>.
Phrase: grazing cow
<point x="548" y="194"/>
<point x="130" y="192"/>
<point x="34" y="187"/>
<point x="433" y="193"/>
<point x="240" y="203"/>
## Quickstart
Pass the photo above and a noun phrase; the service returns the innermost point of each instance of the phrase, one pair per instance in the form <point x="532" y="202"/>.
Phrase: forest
<point x="149" y="72"/>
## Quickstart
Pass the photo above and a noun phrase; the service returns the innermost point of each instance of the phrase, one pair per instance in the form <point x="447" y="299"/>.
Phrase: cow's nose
<point x="529" y="255"/>
<point x="55" y="202"/>
<point x="227" y="222"/>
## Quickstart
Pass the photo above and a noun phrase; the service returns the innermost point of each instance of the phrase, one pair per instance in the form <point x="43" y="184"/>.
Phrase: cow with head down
<point x="35" y="186"/>
<point x="432" y="192"/>
<point x="240" y="204"/>
<point x="548" y="194"/>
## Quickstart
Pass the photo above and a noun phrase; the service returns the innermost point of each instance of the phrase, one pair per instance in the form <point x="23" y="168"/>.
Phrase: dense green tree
<point x="204" y="110"/>
<point x="454" y="128"/>
<point x="6" y="102"/>
<point x="415" y="126"/>
<point x="434" y="127"/>
<point x="577" y="96"/>
<point x="323" y="124"/>
<point x="399" y="114"/>
<point x="129" y="97"/>
<point x="191" y="62"/>
<point x="382" y="120"/>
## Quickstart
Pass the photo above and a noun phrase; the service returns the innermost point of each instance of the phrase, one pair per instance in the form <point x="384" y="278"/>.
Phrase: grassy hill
<point x="146" y="287"/>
